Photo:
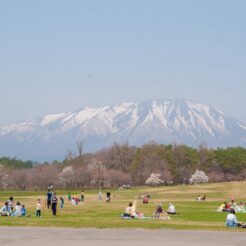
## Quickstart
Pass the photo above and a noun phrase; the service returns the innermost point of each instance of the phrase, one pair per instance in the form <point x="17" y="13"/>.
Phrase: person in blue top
<point x="61" y="202"/>
<point x="23" y="211"/>
<point x="231" y="219"/>
<point x="49" y="196"/>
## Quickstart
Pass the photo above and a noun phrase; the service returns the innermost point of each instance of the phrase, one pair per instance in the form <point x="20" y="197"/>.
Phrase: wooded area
<point x="125" y="164"/>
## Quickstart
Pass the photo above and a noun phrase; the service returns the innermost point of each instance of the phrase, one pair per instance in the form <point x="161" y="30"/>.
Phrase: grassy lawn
<point x="92" y="213"/>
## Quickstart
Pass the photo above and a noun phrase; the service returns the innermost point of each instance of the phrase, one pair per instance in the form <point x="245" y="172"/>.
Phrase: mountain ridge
<point x="163" y="121"/>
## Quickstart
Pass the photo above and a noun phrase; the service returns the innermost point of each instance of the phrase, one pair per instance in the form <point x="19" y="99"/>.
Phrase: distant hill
<point x="162" y="121"/>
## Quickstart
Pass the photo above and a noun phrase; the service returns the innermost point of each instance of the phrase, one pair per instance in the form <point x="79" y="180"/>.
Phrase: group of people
<point x="160" y="213"/>
<point x="76" y="200"/>
<point x="108" y="196"/>
<point x="232" y="206"/>
<point x="131" y="211"/>
<point x="52" y="201"/>
<point x="10" y="210"/>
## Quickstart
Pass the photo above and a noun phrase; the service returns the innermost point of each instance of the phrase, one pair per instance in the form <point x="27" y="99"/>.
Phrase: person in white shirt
<point x="129" y="211"/>
<point x="171" y="209"/>
<point x="17" y="212"/>
<point x="38" y="208"/>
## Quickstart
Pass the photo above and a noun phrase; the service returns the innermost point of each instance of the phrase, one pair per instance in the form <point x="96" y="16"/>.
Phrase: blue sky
<point x="58" y="55"/>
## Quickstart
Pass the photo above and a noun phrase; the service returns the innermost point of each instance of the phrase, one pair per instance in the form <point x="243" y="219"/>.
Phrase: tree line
<point x="124" y="164"/>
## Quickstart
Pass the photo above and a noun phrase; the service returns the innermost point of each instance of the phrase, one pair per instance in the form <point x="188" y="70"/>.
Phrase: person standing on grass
<point x="38" y="208"/>
<point x="61" y="202"/>
<point x="54" y="203"/>
<point x="108" y="196"/>
<point x="69" y="197"/>
<point x="100" y="195"/>
<point x="23" y="211"/>
<point x="49" y="195"/>
<point x="82" y="196"/>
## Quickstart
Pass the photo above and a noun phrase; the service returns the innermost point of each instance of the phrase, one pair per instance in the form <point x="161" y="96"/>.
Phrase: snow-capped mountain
<point x="162" y="121"/>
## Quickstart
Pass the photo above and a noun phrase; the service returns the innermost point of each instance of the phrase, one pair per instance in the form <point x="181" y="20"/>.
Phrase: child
<point x="61" y="202"/>
<point x="39" y="206"/>
<point x="11" y="204"/>
<point x="23" y="211"/>
<point x="69" y="196"/>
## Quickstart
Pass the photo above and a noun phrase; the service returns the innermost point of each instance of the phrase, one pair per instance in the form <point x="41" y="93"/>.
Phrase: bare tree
<point x="3" y="176"/>
<point x="80" y="149"/>
<point x="20" y="178"/>
<point x="70" y="155"/>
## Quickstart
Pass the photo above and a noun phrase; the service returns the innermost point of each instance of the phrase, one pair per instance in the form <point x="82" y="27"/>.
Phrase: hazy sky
<point x="61" y="55"/>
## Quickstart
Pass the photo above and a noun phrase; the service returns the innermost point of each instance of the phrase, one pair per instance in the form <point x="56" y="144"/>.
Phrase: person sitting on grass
<point x="75" y="201"/>
<point x="222" y="207"/>
<point x="11" y="203"/>
<point x="242" y="207"/>
<point x="238" y="208"/>
<point x="228" y="207"/>
<point x="233" y="204"/>
<point x="6" y="210"/>
<point x="145" y="200"/>
<point x="171" y="209"/>
<point x="135" y="212"/>
<point x="23" y="211"/>
<point x="128" y="211"/>
<point x="199" y="198"/>
<point x="231" y="220"/>
<point x="158" y="211"/>
<point x="132" y="212"/>
<point x="17" y="212"/>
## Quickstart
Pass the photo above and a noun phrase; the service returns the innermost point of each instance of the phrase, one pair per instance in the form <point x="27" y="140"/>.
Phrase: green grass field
<point x="92" y="213"/>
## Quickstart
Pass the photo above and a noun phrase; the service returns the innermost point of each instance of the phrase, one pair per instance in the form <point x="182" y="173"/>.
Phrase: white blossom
<point x="198" y="177"/>
<point x="154" y="179"/>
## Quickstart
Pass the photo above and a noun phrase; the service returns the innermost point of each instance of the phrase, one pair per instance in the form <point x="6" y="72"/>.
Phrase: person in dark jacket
<point x="54" y="201"/>
<point x="108" y="196"/>
<point x="49" y="196"/>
